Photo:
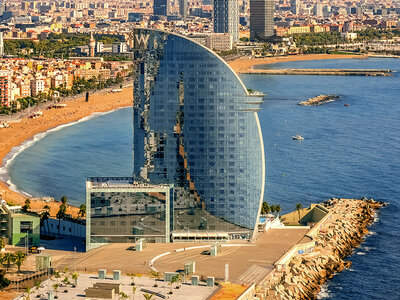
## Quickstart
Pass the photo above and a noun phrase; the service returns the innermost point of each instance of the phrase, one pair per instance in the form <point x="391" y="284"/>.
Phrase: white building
<point x="37" y="86"/>
<point x="119" y="48"/>
<point x="219" y="41"/>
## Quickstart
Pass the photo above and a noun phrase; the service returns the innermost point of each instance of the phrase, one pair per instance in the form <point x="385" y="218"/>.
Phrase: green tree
<point x="2" y="244"/>
<point x="278" y="209"/>
<point x="265" y="208"/>
<point x="272" y="209"/>
<point x="57" y="275"/>
<point x="74" y="277"/>
<point x="66" y="280"/>
<point x="82" y="210"/>
<point x="155" y="275"/>
<point x="172" y="281"/>
<point x="8" y="258"/>
<point x="148" y="296"/>
<point x="122" y="296"/>
<point x="19" y="259"/>
<point x="62" y="212"/>
<point x="133" y="292"/>
<point x="28" y="292"/>
<point x="37" y="285"/>
<point x="44" y="218"/>
<point x="55" y="287"/>
<point x="299" y="207"/>
<point x="27" y="205"/>
<point x="132" y="276"/>
<point x="4" y="282"/>
<point x="64" y="200"/>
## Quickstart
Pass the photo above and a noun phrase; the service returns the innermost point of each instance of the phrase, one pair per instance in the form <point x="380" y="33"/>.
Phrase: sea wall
<point x="300" y="276"/>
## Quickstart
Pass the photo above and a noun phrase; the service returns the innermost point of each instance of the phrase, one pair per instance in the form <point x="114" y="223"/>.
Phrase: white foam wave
<point x="324" y="292"/>
<point x="15" y="151"/>
<point x="371" y="233"/>
<point x="361" y="253"/>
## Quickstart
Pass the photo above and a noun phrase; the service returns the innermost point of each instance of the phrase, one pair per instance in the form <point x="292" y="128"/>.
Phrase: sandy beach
<point x="243" y="65"/>
<point x="75" y="110"/>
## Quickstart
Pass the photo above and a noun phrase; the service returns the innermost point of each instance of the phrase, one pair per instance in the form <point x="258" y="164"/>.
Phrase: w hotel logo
<point x="141" y="40"/>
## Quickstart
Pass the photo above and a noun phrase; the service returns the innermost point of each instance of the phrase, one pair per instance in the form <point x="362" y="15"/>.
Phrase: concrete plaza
<point x="258" y="256"/>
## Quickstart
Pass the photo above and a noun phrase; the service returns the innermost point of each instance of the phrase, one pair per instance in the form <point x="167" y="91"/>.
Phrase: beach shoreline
<point x="24" y="130"/>
<point x="246" y="65"/>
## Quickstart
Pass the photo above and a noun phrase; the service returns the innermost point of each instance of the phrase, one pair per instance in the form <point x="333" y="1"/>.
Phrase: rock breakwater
<point x="318" y="100"/>
<point x="335" y="237"/>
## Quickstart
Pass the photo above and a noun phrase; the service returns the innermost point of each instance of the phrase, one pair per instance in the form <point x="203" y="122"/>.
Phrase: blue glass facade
<point x="196" y="127"/>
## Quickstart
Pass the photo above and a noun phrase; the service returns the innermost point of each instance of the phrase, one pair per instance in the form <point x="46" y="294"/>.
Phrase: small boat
<point x="298" y="137"/>
<point x="346" y="104"/>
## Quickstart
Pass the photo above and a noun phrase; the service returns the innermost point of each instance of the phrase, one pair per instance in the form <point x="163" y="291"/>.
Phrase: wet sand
<point x="75" y="110"/>
<point x="244" y="65"/>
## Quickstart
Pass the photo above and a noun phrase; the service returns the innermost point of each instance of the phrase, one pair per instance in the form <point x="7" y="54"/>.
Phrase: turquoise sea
<point x="348" y="151"/>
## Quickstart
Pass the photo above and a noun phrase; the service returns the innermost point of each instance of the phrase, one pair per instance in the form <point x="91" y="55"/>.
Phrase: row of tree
<point x="55" y="45"/>
<point x="266" y="208"/>
<point x="9" y="258"/>
<point x="333" y="37"/>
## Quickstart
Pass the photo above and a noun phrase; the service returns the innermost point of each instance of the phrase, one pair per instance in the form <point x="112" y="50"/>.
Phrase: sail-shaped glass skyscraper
<point x="196" y="130"/>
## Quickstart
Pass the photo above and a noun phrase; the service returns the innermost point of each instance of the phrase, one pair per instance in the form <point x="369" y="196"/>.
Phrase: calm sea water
<point x="351" y="151"/>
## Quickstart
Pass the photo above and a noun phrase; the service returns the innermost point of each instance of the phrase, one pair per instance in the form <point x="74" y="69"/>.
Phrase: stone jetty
<point x="301" y="275"/>
<point x="318" y="100"/>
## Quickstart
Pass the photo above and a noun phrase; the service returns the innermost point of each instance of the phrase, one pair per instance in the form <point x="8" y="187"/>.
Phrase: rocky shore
<point x="318" y="100"/>
<point x="342" y="231"/>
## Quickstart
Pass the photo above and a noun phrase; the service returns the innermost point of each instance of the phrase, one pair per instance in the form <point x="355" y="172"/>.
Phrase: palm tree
<point x="133" y="292"/>
<point x="55" y="287"/>
<point x="57" y="275"/>
<point x="172" y="281"/>
<point x="44" y="217"/>
<point x="4" y="282"/>
<point x="122" y="296"/>
<point x="82" y="210"/>
<point x="272" y="209"/>
<point x="61" y="215"/>
<point x="27" y="205"/>
<point x="75" y="276"/>
<point x="278" y="209"/>
<point x="155" y="275"/>
<point x="147" y="296"/>
<point x="265" y="209"/>
<point x="132" y="275"/>
<point x="299" y="206"/>
<point x="64" y="200"/>
<point x="37" y="285"/>
<point x="19" y="259"/>
<point x="28" y="292"/>
<point x="9" y="258"/>
<point x="66" y="281"/>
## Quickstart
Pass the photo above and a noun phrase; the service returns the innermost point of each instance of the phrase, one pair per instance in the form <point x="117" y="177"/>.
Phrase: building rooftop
<point x="120" y="182"/>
